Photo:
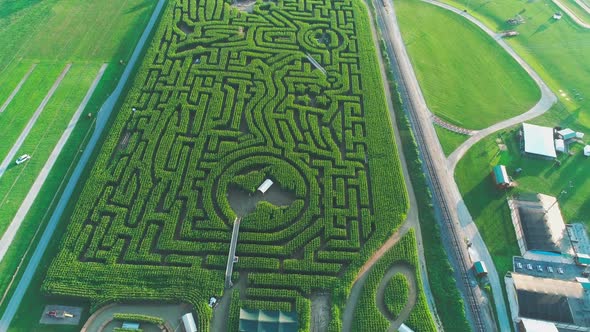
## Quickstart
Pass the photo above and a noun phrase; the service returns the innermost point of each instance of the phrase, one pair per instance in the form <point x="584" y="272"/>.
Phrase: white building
<point x="265" y="185"/>
<point x="538" y="140"/>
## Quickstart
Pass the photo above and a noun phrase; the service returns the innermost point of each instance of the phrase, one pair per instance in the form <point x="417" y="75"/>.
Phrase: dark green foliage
<point x="396" y="294"/>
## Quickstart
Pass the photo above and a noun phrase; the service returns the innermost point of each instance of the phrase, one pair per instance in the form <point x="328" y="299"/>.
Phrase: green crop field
<point x="467" y="79"/>
<point x="373" y="316"/>
<point x="224" y="99"/>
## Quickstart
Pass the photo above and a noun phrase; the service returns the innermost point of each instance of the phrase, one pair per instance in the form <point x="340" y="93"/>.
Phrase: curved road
<point x="101" y="121"/>
<point x="547" y="100"/>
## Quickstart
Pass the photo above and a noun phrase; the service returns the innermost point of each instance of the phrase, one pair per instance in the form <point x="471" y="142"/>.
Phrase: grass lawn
<point x="449" y="140"/>
<point x="583" y="15"/>
<point x="18" y="179"/>
<point x="466" y="78"/>
<point x="51" y="34"/>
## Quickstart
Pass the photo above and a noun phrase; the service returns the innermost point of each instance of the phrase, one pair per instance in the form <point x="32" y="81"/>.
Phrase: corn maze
<point x="223" y="100"/>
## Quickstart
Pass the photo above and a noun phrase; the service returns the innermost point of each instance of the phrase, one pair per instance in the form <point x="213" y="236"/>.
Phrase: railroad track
<point x="449" y="220"/>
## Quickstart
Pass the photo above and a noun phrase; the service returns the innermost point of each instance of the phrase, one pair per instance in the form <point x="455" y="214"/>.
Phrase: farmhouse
<point x="266" y="320"/>
<point x="538" y="223"/>
<point x="538" y="140"/>
<point x="565" y="304"/>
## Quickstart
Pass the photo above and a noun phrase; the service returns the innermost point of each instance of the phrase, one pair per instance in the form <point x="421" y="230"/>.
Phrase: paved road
<point x="23" y="135"/>
<point x="16" y="222"/>
<point x="547" y="100"/>
<point x="573" y="15"/>
<point x="101" y="121"/>
<point x="17" y="89"/>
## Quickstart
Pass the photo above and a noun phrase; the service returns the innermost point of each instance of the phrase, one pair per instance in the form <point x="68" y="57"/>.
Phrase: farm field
<point x="385" y="286"/>
<point x="554" y="50"/>
<point x="467" y="79"/>
<point x="18" y="179"/>
<point x="225" y="99"/>
<point x="41" y="39"/>
<point x="580" y="13"/>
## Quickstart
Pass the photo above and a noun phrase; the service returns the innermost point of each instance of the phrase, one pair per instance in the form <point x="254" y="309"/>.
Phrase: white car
<point x="22" y="159"/>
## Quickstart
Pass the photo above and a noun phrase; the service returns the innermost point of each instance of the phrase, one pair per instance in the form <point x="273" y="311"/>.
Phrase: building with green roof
<point x="253" y="320"/>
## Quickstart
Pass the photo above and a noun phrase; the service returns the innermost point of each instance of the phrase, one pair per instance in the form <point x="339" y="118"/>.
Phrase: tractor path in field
<point x="17" y="89"/>
<point x="101" y="121"/>
<point x="578" y="20"/>
<point x="23" y="135"/>
<point x="18" y="219"/>
<point x="546" y="101"/>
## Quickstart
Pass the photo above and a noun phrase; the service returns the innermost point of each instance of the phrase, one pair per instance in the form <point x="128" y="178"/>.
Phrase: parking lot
<point x="545" y="269"/>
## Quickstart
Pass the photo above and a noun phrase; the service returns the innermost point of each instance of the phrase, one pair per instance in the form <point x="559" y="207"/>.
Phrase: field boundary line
<point x="23" y="210"/>
<point x="19" y="142"/>
<point x="101" y="121"/>
<point x="578" y="20"/>
<point x="17" y="89"/>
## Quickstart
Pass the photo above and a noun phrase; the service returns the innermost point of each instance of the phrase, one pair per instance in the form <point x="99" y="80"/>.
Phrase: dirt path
<point x="101" y="121"/>
<point x="16" y="222"/>
<point x="409" y="273"/>
<point x="12" y="153"/>
<point x="17" y="89"/>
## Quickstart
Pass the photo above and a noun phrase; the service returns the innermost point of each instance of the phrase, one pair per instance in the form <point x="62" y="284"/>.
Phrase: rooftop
<point x="538" y="140"/>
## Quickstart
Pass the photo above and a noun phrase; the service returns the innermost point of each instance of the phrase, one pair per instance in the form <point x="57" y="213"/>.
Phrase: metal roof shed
<point x="500" y="175"/>
<point x="480" y="268"/>
<point x="130" y="325"/>
<point x="567" y="133"/>
<point x="189" y="322"/>
<point x="265" y="185"/>
<point x="559" y="145"/>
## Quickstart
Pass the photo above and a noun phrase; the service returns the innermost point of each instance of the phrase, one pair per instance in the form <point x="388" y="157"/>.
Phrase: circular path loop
<point x="408" y="272"/>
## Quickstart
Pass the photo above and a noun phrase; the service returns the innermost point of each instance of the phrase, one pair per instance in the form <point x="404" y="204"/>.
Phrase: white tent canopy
<point x="538" y="140"/>
<point x="587" y="150"/>
<point x="265" y="185"/>
<point x="189" y="323"/>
